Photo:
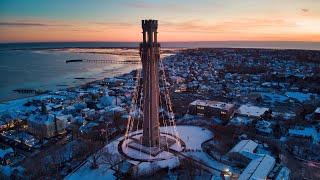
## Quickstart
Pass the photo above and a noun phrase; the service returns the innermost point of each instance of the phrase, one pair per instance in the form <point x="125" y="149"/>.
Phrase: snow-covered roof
<point x="306" y="132"/>
<point x="301" y="97"/>
<point x="254" y="111"/>
<point x="272" y="98"/>
<point x="87" y="127"/>
<point x="63" y="117"/>
<point x="4" y="152"/>
<point x="283" y="174"/>
<point x="78" y="119"/>
<point x="215" y="104"/>
<point x="109" y="100"/>
<point x="263" y="123"/>
<point x="7" y="170"/>
<point x="45" y="97"/>
<point x="258" y="168"/>
<point x="56" y="106"/>
<point x="117" y="109"/>
<point x="240" y="120"/>
<point x="41" y="118"/>
<point x="244" y="145"/>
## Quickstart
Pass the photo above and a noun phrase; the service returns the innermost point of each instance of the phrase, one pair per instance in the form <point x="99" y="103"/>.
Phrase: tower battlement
<point x="147" y="24"/>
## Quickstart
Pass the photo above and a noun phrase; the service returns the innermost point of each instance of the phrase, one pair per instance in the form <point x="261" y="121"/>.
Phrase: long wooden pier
<point x="30" y="91"/>
<point x="104" y="61"/>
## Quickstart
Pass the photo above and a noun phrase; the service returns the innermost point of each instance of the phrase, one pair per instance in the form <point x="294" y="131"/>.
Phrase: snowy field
<point x="193" y="136"/>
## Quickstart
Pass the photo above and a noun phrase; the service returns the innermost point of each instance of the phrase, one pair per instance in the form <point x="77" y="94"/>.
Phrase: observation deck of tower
<point x="150" y="56"/>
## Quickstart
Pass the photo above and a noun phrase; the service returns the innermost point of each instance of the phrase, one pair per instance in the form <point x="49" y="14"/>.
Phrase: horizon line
<point x="159" y="41"/>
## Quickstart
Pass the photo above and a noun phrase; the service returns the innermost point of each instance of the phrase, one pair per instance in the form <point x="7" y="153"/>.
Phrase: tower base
<point x="133" y="149"/>
<point x="164" y="145"/>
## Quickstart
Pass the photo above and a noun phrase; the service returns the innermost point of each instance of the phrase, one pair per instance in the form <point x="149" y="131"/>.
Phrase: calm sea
<point x="47" y="70"/>
<point x="38" y="66"/>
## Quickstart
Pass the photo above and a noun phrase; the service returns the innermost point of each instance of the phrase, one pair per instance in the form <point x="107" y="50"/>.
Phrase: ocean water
<point x="47" y="70"/>
<point x="42" y="66"/>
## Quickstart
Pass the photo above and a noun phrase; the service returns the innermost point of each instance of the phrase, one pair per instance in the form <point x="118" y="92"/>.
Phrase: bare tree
<point x="39" y="170"/>
<point x="113" y="160"/>
<point x="118" y="122"/>
<point x="93" y="150"/>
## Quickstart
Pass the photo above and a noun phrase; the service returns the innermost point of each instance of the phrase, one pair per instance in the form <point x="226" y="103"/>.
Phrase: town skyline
<point x="118" y="21"/>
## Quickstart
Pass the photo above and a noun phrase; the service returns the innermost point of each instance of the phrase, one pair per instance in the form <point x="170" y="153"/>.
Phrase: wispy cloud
<point x="115" y="24"/>
<point x="21" y="24"/>
<point x="233" y="26"/>
<point x="24" y="23"/>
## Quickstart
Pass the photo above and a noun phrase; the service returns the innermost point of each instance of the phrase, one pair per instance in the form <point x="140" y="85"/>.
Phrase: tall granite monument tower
<point x="150" y="56"/>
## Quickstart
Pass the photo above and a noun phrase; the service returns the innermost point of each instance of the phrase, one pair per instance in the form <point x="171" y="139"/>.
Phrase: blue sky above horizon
<point x="180" y="20"/>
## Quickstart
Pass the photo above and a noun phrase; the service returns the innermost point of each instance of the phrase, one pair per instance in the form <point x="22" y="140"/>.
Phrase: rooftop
<point x="42" y="118"/>
<point x="4" y="152"/>
<point x="215" y="104"/>
<point x="306" y="132"/>
<point x="258" y="168"/>
<point x="251" y="110"/>
<point x="244" y="145"/>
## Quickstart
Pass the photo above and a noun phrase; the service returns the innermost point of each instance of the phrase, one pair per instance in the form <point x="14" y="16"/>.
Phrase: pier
<point x="104" y="61"/>
<point x="29" y="91"/>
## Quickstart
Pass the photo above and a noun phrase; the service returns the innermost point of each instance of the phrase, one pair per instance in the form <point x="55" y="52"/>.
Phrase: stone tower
<point x="150" y="55"/>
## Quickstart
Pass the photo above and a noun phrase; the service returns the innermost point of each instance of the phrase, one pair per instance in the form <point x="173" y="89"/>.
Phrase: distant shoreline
<point x="76" y="86"/>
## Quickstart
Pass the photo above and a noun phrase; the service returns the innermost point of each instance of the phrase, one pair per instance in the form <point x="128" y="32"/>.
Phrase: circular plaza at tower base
<point x="132" y="147"/>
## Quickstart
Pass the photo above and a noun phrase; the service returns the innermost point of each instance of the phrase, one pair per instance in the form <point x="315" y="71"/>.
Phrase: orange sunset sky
<point x="180" y="20"/>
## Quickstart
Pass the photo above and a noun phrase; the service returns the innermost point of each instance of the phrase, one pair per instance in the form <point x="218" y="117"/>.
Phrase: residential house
<point x="45" y="125"/>
<point x="251" y="111"/>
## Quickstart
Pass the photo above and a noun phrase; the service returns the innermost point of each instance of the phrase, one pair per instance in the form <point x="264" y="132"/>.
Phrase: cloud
<point x="228" y="26"/>
<point x="115" y="24"/>
<point x="21" y="24"/>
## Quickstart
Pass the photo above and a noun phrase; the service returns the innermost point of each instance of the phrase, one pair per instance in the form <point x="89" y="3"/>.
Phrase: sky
<point x="179" y="20"/>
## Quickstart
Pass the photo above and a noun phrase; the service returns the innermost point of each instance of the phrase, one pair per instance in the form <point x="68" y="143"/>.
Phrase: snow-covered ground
<point x="103" y="172"/>
<point x="15" y="104"/>
<point x="192" y="120"/>
<point x="193" y="136"/>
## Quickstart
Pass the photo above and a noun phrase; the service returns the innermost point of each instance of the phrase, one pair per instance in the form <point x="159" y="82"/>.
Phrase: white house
<point x="251" y="111"/>
<point x="258" y="168"/>
<point x="45" y="125"/>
